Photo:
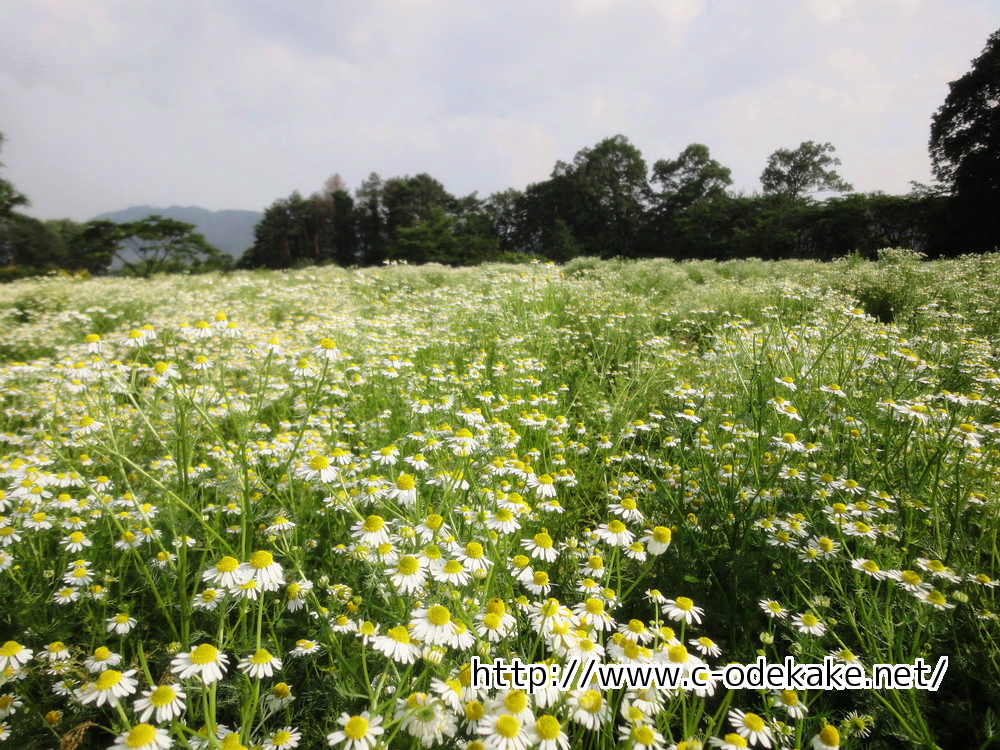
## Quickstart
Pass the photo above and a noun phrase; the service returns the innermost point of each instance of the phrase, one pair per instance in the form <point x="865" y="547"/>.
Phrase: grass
<point x="257" y="462"/>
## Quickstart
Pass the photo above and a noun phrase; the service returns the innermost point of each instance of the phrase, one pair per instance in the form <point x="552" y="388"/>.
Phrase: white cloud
<point x="232" y="105"/>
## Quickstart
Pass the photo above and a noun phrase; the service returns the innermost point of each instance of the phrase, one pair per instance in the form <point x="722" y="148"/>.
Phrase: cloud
<point x="235" y="104"/>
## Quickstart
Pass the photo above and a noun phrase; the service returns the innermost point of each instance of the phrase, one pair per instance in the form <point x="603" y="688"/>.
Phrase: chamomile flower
<point x="827" y="739"/>
<point x="505" y="732"/>
<point x="143" y="737"/>
<point x="657" y="540"/>
<point x="398" y="645"/>
<point x="260" y="664"/>
<point x="120" y="623"/>
<point x="550" y="734"/>
<point x="166" y="701"/>
<point x="541" y="546"/>
<point x="285" y="738"/>
<point x="102" y="658"/>
<point x="808" y="623"/>
<point x="434" y="626"/>
<point x="13" y="656"/>
<point x="264" y="569"/>
<point x="204" y="661"/>
<point x="227" y="573"/>
<point x="589" y="708"/>
<point x="751" y="727"/>
<point x="108" y="688"/>
<point x="682" y="609"/>
<point x="773" y="609"/>
<point x="360" y="732"/>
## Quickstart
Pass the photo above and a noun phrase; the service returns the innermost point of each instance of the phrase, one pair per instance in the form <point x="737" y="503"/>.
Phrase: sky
<point x="228" y="104"/>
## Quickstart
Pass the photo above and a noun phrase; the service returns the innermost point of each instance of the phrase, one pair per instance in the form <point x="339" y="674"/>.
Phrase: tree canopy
<point x="965" y="148"/>
<point x="808" y="168"/>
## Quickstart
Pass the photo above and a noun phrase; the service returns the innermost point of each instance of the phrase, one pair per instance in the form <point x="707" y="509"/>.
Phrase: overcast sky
<point x="108" y="104"/>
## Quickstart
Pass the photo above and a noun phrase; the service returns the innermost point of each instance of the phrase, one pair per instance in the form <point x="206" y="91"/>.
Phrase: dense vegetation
<point x="338" y="486"/>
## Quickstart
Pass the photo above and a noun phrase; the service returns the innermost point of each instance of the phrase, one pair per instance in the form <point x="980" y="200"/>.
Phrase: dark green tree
<point x="430" y="240"/>
<point x="152" y="245"/>
<point x="693" y="176"/>
<point x="965" y="149"/>
<point x="809" y="168"/>
<point x="370" y="213"/>
<point x="608" y="195"/>
<point x="9" y="197"/>
<point x="287" y="235"/>
<point x="29" y="243"/>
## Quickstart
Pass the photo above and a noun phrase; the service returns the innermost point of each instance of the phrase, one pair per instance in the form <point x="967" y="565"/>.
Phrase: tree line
<point x="607" y="202"/>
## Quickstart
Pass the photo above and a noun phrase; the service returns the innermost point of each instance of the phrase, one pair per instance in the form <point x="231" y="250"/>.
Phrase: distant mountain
<point x="231" y="231"/>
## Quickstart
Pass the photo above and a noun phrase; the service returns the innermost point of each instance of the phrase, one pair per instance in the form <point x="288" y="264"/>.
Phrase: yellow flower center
<point x="162" y="696"/>
<point x="516" y="701"/>
<point x="261" y="559"/>
<point x="408" y="565"/>
<point x="643" y="735"/>
<point x="406" y="482"/>
<point x="829" y="735"/>
<point x="281" y="690"/>
<point x="662" y="534"/>
<point x="261" y="656"/>
<point x="591" y="701"/>
<point x="543" y="540"/>
<point x="684" y="604"/>
<point x="438" y="615"/>
<point x="108" y="679"/>
<point x="141" y="735"/>
<point x="374" y="524"/>
<point x="789" y="697"/>
<point x="508" y="726"/>
<point x="753" y="722"/>
<point x="227" y="564"/>
<point x="474" y="710"/>
<point x="356" y="727"/>
<point x="677" y="653"/>
<point x="206" y="653"/>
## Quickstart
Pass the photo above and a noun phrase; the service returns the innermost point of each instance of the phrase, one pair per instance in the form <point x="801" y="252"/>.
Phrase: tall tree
<point x="611" y="192"/>
<point x="693" y="176"/>
<point x="965" y="148"/>
<point x="373" y="236"/>
<point x="148" y="246"/>
<point x="809" y="168"/>
<point x="9" y="197"/>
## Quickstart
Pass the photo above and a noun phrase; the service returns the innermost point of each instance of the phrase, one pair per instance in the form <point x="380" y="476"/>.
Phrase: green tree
<point x="693" y="176"/>
<point x="965" y="149"/>
<point x="29" y="243"/>
<point x="9" y="197"/>
<point x="608" y="197"/>
<point x="809" y="168"/>
<point x="152" y="245"/>
<point x="428" y="241"/>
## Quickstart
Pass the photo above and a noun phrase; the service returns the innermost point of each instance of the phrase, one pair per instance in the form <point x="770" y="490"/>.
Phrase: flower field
<point x="277" y="510"/>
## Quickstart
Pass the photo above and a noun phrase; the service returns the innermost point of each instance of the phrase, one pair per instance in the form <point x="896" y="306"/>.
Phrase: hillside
<point x="231" y="231"/>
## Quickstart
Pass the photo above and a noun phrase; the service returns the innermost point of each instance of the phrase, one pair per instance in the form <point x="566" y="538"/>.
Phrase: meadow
<point x="286" y="509"/>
